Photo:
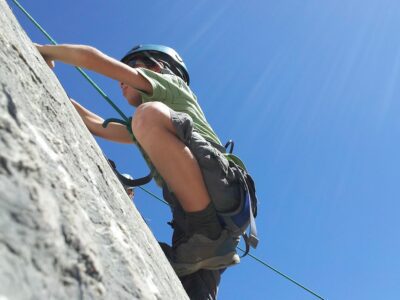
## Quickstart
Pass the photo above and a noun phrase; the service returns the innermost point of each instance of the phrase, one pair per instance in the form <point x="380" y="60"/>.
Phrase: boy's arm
<point x="90" y="58"/>
<point x="114" y="131"/>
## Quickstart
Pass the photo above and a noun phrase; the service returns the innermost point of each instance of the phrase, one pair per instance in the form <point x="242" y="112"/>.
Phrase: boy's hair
<point x="152" y="55"/>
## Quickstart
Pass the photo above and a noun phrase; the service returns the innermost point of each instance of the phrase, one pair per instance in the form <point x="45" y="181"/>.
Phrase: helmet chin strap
<point x="162" y="65"/>
<point x="166" y="71"/>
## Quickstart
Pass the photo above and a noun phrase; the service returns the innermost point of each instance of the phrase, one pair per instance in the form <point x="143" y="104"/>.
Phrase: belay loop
<point x="126" y="181"/>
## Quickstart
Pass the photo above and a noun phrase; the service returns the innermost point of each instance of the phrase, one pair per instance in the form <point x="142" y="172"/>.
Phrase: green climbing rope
<point x="126" y="119"/>
<point x="53" y="41"/>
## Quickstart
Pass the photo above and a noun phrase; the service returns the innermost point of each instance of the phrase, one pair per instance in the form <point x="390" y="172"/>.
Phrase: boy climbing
<point x="187" y="159"/>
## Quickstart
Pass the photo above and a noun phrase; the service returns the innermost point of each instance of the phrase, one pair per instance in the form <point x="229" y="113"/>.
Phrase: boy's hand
<point x="48" y="60"/>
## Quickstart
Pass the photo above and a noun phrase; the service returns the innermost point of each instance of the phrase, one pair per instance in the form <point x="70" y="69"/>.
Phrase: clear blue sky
<point x="309" y="90"/>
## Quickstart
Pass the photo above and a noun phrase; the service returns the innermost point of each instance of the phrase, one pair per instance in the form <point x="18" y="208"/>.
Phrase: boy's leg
<point x="156" y="134"/>
<point x="207" y="245"/>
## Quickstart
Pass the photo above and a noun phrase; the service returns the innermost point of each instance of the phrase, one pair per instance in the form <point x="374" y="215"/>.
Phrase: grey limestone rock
<point x="67" y="228"/>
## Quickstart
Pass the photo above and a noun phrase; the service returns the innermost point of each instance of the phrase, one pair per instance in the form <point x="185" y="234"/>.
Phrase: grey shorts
<point x="221" y="181"/>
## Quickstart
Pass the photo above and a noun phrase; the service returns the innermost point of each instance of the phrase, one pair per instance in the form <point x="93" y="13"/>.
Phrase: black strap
<point x="246" y="242"/>
<point x="230" y="143"/>
<point x="130" y="182"/>
<point x="126" y="181"/>
<point x="134" y="182"/>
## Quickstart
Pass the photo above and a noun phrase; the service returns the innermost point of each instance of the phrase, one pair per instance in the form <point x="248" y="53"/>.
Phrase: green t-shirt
<point x="175" y="93"/>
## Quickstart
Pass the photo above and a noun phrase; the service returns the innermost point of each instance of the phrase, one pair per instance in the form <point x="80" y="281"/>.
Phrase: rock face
<point x="67" y="228"/>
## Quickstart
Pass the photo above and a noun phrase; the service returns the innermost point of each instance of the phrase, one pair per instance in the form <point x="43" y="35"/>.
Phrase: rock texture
<point x="67" y="229"/>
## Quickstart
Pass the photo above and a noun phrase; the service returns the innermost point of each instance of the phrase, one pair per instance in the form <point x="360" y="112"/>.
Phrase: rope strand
<point x="281" y="274"/>
<point x="53" y="41"/>
<point x="98" y="89"/>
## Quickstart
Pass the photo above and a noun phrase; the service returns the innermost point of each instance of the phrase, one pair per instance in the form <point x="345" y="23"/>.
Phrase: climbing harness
<point x="238" y="221"/>
<point x="126" y="121"/>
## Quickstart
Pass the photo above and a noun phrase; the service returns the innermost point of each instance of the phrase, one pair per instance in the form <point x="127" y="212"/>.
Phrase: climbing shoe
<point x="200" y="252"/>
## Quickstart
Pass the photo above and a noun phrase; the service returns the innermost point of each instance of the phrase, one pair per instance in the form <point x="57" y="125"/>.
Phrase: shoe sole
<point x="213" y="263"/>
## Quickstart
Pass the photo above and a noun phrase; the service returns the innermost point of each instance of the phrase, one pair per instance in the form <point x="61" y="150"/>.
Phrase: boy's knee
<point x="147" y="116"/>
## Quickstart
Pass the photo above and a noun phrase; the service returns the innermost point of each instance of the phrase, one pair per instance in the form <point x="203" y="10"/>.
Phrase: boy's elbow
<point x="90" y="51"/>
<point x="87" y="56"/>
